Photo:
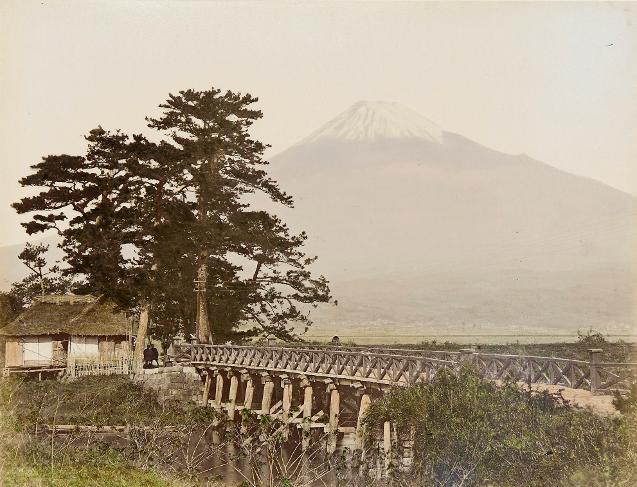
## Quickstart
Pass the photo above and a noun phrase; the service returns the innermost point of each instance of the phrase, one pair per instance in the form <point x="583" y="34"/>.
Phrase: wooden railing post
<point x="466" y="355"/>
<point x="594" y="354"/>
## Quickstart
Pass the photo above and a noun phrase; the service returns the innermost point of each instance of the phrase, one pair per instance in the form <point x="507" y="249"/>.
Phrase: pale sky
<point x="555" y="81"/>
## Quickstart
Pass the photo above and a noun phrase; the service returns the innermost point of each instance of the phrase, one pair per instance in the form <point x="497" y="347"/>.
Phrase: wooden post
<point x="387" y="446"/>
<point x="551" y="372"/>
<point x="247" y="399"/>
<point x="206" y="390"/>
<point x="287" y="403"/>
<point x="232" y="396"/>
<point x="219" y="391"/>
<point x="466" y="355"/>
<point x="594" y="354"/>
<point x="360" y="427"/>
<point x="307" y="416"/>
<point x="332" y="427"/>
<point x="268" y="389"/>
<point x="247" y="403"/>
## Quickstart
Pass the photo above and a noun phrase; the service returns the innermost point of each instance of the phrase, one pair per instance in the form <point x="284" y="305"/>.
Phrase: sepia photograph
<point x="289" y="243"/>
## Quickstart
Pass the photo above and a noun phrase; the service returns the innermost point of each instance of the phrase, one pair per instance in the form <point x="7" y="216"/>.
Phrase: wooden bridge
<point x="330" y="388"/>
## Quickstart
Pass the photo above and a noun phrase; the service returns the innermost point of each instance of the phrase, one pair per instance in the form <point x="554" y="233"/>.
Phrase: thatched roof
<point x="72" y="315"/>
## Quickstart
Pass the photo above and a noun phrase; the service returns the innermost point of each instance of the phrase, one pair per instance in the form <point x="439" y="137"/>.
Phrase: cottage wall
<point x="13" y="353"/>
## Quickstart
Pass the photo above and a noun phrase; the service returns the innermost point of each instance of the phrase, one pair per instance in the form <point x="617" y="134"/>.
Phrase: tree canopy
<point x="150" y="220"/>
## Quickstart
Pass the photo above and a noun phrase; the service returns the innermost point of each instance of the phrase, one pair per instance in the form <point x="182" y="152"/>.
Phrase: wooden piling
<point x="247" y="402"/>
<point x="268" y="389"/>
<point x="360" y="427"/>
<point x="287" y="404"/>
<point x="206" y="390"/>
<point x="232" y="396"/>
<point x="332" y="428"/>
<point x="387" y="446"/>
<point x="307" y="416"/>
<point x="219" y="391"/>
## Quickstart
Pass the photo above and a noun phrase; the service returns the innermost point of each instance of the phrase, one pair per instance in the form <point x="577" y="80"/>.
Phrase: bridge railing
<point x="405" y="367"/>
<point x="577" y="374"/>
<point x="363" y="366"/>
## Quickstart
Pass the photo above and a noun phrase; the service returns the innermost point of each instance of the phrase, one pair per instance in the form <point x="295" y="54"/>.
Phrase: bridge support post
<point x="307" y="414"/>
<point x="359" y="444"/>
<point x="206" y="390"/>
<point x="286" y="383"/>
<point x="219" y="391"/>
<point x="232" y="396"/>
<point x="387" y="447"/>
<point x="332" y="426"/>
<point x="268" y="390"/>
<point x="247" y="403"/>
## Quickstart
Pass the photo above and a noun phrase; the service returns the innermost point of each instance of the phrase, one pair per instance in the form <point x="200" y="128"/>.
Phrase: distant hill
<point x="420" y="228"/>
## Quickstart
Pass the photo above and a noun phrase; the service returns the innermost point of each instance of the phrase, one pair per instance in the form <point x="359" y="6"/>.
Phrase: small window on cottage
<point x="82" y="346"/>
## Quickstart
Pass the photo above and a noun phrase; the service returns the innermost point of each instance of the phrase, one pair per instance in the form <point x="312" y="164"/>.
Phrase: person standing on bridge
<point x="148" y="356"/>
<point x="155" y="356"/>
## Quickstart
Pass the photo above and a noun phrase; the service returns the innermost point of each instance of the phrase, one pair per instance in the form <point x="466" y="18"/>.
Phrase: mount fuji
<point x="421" y="230"/>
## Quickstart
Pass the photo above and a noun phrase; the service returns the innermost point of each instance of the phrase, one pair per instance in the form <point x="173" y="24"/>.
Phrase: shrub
<point x="469" y="431"/>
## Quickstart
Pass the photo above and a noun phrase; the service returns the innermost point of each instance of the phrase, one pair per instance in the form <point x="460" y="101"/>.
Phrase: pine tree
<point x="141" y="221"/>
<point x="220" y="165"/>
<point x="85" y="200"/>
<point x="43" y="279"/>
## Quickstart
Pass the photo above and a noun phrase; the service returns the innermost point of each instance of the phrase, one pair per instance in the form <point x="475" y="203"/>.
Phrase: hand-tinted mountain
<point x="482" y="237"/>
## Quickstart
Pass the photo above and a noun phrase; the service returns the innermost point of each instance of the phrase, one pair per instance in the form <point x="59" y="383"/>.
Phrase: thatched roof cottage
<point x="55" y="327"/>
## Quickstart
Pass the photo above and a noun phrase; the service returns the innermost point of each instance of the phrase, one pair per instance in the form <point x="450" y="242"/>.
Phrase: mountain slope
<point x="400" y="200"/>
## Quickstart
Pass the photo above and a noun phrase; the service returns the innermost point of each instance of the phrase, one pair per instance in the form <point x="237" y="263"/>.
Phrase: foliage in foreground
<point x="80" y="468"/>
<point x="97" y="401"/>
<point x="163" y="447"/>
<point x="468" y="431"/>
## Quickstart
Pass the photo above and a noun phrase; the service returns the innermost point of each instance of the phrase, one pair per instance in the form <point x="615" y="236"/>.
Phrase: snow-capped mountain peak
<point x="371" y="120"/>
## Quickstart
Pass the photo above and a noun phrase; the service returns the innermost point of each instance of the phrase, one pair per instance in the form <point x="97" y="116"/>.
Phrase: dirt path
<point x="580" y="398"/>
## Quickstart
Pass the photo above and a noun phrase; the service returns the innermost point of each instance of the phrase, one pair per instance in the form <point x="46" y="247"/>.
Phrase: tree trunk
<point x="203" y="322"/>
<point x="142" y="331"/>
